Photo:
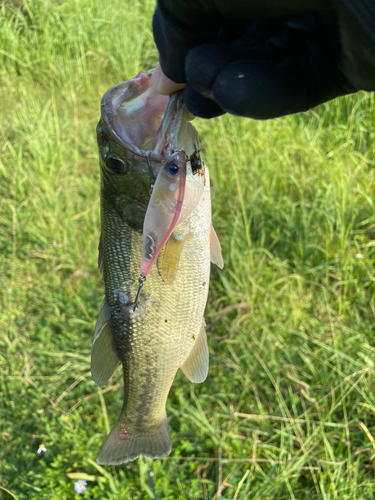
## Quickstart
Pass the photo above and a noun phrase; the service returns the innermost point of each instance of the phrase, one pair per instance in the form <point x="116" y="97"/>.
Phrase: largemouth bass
<point x="154" y="252"/>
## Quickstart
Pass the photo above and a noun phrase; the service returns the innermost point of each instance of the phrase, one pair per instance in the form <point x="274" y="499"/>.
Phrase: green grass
<point x="288" y="409"/>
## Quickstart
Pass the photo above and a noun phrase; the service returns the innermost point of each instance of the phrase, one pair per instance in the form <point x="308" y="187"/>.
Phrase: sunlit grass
<point x="287" y="411"/>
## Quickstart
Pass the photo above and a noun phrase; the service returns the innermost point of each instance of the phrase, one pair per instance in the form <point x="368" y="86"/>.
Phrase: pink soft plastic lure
<point x="164" y="209"/>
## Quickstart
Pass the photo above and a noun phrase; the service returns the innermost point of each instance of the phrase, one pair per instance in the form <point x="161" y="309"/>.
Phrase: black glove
<point x="259" y="69"/>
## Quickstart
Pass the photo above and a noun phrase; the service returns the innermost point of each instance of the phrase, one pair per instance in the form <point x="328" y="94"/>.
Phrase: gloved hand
<point x="259" y="69"/>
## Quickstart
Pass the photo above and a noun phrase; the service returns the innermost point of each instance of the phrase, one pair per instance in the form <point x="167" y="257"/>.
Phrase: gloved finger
<point x="199" y="105"/>
<point x="269" y="89"/>
<point x="262" y="89"/>
<point x="256" y="89"/>
<point x="204" y="63"/>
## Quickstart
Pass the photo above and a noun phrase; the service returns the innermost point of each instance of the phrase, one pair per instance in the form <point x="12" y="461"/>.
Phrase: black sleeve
<point x="180" y="25"/>
<point x="357" y="26"/>
<point x="265" y="58"/>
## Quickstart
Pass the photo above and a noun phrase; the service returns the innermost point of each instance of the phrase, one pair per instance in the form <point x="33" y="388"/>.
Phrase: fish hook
<point x="141" y="282"/>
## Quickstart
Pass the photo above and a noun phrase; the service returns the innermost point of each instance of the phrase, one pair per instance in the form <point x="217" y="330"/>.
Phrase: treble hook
<point x="141" y="282"/>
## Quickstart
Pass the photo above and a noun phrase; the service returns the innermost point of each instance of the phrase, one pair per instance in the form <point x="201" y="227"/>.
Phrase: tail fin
<point x="121" y="446"/>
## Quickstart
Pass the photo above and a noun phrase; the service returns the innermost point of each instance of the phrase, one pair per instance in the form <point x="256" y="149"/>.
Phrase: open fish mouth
<point x="146" y="123"/>
<point x="134" y="112"/>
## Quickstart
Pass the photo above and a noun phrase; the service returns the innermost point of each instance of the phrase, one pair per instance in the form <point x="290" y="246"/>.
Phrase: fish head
<point x="131" y="116"/>
<point x="142" y="137"/>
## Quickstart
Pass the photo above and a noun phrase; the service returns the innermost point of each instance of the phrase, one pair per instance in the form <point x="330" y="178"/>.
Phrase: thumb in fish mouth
<point x="165" y="86"/>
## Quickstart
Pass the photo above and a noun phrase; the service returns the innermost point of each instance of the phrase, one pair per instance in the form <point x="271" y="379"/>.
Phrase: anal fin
<point x="215" y="249"/>
<point x="195" y="366"/>
<point x="104" y="360"/>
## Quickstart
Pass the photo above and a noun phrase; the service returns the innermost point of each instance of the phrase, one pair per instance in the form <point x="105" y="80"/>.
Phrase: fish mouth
<point x="146" y="123"/>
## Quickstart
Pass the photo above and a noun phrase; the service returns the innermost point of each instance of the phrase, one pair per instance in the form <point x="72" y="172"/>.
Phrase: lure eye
<point x="115" y="164"/>
<point x="173" y="169"/>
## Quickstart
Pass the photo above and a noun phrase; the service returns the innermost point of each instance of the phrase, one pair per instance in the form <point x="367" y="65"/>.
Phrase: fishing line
<point x="200" y="184"/>
<point x="150" y="171"/>
<point x="141" y="282"/>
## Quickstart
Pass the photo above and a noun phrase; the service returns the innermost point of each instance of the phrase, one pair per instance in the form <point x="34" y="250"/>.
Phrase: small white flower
<point x="41" y="449"/>
<point x="80" y="486"/>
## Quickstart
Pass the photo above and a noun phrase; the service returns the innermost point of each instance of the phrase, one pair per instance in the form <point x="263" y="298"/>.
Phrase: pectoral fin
<point x="104" y="360"/>
<point x="169" y="259"/>
<point x="215" y="249"/>
<point x="196" y="365"/>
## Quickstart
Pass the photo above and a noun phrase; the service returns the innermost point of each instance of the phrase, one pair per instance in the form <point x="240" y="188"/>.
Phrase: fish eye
<point x="115" y="164"/>
<point x="173" y="169"/>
